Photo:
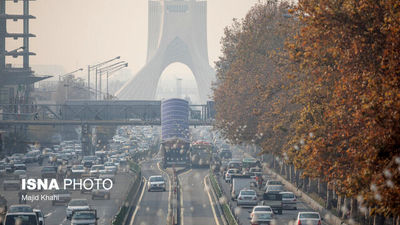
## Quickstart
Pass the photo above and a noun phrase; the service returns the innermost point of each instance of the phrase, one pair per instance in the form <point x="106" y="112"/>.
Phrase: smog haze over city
<point x="199" y="112"/>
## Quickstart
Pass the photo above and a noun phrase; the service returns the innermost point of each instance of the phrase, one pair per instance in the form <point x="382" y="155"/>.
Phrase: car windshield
<point x="21" y="220"/>
<point x="309" y="215"/>
<point x="98" y="168"/>
<point x="156" y="179"/>
<point x="262" y="209"/>
<point x="84" y="216"/>
<point x="48" y="169"/>
<point x="14" y="209"/>
<point x="287" y="195"/>
<point x="82" y="202"/>
<point x="247" y="193"/>
<point x="78" y="167"/>
<point x="89" y="158"/>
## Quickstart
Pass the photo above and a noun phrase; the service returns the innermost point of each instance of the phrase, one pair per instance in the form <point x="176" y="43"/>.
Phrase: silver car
<point x="289" y="200"/>
<point x="156" y="183"/>
<point x="247" y="197"/>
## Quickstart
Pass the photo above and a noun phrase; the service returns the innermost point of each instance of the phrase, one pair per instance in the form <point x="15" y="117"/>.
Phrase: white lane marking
<point x="49" y="214"/>
<point x="169" y="187"/>
<point x="139" y="201"/>
<point x="186" y="172"/>
<point x="180" y="188"/>
<point x="209" y="198"/>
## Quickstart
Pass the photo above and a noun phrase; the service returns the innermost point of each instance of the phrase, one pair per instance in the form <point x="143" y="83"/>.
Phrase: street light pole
<point x="95" y="90"/>
<point x="96" y="67"/>
<point x="113" y="70"/>
<point x="88" y="81"/>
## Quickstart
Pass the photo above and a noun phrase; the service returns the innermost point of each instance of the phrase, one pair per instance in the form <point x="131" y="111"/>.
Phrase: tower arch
<point x="177" y="33"/>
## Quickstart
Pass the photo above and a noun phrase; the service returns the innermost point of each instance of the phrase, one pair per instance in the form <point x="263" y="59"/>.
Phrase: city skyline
<point x="90" y="37"/>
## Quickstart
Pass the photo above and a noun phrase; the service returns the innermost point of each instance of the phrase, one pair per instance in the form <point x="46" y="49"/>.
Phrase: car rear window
<point x="262" y="209"/>
<point x="156" y="179"/>
<point x="263" y="216"/>
<point x="248" y="193"/>
<point x="309" y="215"/>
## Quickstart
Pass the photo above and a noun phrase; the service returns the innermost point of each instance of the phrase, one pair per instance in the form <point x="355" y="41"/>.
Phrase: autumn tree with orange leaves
<point x="335" y="87"/>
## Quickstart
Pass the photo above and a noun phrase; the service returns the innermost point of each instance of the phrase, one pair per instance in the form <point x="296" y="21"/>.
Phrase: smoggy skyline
<point x="75" y="33"/>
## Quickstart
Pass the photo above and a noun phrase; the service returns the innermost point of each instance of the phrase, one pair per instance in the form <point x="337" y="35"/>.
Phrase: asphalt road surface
<point x="288" y="217"/>
<point x="106" y="209"/>
<point x="196" y="208"/>
<point x="153" y="207"/>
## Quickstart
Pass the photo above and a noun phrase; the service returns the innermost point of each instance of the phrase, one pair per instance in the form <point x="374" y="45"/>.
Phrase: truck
<point x="200" y="154"/>
<point x="240" y="182"/>
<point x="175" y="141"/>
<point x="274" y="200"/>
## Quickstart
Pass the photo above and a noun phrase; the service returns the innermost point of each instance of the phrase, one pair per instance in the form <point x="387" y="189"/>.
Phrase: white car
<point x="95" y="170"/>
<point x="230" y="173"/>
<point x="40" y="216"/>
<point x="308" y="218"/>
<point x="156" y="183"/>
<point x="76" y="204"/>
<point x="289" y="200"/>
<point x="78" y="169"/>
<point x="260" y="208"/>
<point x="247" y="197"/>
<point x="110" y="166"/>
<point x="261" y="218"/>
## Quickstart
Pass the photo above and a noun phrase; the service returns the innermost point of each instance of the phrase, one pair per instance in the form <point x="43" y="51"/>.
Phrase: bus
<point x="248" y="163"/>
<point x="200" y="154"/>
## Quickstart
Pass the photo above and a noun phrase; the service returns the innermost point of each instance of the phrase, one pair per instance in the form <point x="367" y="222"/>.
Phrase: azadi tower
<point x="177" y="32"/>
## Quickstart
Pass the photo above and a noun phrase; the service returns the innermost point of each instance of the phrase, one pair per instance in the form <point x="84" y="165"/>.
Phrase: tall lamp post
<point x="110" y="70"/>
<point x="67" y="85"/>
<point x="109" y="73"/>
<point x="96" y="67"/>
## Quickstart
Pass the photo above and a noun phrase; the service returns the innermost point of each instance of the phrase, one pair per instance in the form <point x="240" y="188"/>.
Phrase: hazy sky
<point x="75" y="33"/>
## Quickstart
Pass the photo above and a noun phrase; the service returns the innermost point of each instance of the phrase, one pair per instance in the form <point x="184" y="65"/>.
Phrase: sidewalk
<point x="328" y="217"/>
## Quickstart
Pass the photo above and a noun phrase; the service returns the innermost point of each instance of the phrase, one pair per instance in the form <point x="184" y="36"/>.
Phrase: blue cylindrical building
<point x="175" y="119"/>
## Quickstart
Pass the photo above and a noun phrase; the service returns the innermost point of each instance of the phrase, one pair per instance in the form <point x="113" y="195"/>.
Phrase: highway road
<point x="196" y="208"/>
<point x="288" y="217"/>
<point x="153" y="206"/>
<point x="106" y="209"/>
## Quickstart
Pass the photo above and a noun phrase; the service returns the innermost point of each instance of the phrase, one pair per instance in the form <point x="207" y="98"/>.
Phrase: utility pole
<point x="88" y="81"/>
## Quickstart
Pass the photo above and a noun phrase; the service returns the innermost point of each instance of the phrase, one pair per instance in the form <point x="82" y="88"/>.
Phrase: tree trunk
<point x="282" y="169"/>
<point x="287" y="168"/>
<point x="379" y="220"/>
<point x="292" y="174"/>
<point x="353" y="208"/>
<point x="297" y="177"/>
<point x="345" y="208"/>
<point x="328" y="197"/>
<point x="305" y="184"/>
<point x="319" y="188"/>
<point x="339" y="206"/>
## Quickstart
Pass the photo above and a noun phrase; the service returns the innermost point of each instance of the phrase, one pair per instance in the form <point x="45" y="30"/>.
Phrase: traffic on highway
<point x="231" y="112"/>
<point x="253" y="196"/>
